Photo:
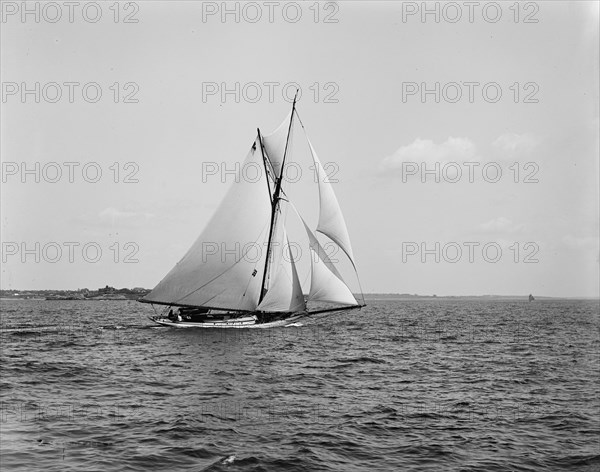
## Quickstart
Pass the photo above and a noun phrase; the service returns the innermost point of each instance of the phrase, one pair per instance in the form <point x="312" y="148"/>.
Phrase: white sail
<point x="315" y="246"/>
<point x="285" y="292"/>
<point x="224" y="267"/>
<point x="326" y="283"/>
<point x="325" y="286"/>
<point x="331" y="220"/>
<point x="227" y="268"/>
<point x="274" y="145"/>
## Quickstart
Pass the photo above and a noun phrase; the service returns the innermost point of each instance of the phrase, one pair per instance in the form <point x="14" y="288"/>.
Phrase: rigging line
<point x="287" y="141"/>
<point x="262" y="150"/>
<point x="220" y="275"/>
<point x="306" y="279"/>
<point x="319" y="177"/>
<point x="275" y="203"/>
<point x="347" y="255"/>
<point x="267" y="276"/>
<point x="268" y="164"/>
<point x="298" y="116"/>
<point x="362" y="294"/>
<point x="270" y="170"/>
<point x="315" y="236"/>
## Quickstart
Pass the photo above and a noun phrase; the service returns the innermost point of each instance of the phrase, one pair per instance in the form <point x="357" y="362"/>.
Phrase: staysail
<point x="326" y="283"/>
<point x="325" y="286"/>
<point x="285" y="292"/>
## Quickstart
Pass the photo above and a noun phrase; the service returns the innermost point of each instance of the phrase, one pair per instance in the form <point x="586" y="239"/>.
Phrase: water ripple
<point x="419" y="385"/>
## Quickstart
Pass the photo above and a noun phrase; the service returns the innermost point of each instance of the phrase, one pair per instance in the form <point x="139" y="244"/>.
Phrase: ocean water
<point x="401" y="385"/>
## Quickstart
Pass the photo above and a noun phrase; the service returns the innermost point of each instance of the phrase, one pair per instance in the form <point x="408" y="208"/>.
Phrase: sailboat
<point x="260" y="288"/>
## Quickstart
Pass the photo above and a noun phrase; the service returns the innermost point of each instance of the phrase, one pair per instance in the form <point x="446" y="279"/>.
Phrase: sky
<point x="463" y="143"/>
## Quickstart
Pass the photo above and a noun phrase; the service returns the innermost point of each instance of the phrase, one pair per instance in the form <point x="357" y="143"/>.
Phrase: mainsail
<point x="221" y="268"/>
<point x="242" y="261"/>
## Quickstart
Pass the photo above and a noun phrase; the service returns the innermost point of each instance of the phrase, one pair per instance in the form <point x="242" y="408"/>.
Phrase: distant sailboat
<point x="531" y="297"/>
<point x="265" y="291"/>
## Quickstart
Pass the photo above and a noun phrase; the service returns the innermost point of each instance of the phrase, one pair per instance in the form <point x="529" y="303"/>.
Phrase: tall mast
<point x="275" y="201"/>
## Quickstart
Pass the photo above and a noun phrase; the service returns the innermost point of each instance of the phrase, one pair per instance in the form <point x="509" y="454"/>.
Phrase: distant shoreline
<point x="368" y="297"/>
<point x="4" y="299"/>
<point x="468" y="297"/>
<point x="405" y="296"/>
<point x="136" y="293"/>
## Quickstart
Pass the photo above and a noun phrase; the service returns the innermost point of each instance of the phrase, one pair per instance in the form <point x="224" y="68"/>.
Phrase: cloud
<point x="133" y="218"/>
<point x="511" y="145"/>
<point x="586" y="242"/>
<point x="114" y="213"/>
<point x="113" y="216"/>
<point x="501" y="225"/>
<point x="424" y="150"/>
<point x="459" y="150"/>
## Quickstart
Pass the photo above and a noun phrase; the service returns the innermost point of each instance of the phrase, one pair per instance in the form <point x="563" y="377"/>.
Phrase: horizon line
<point x="388" y="294"/>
